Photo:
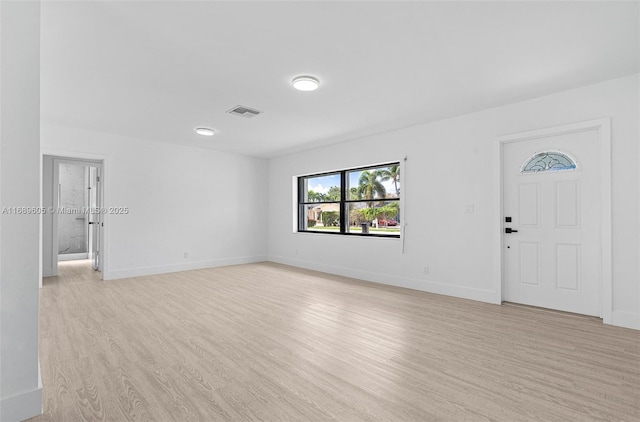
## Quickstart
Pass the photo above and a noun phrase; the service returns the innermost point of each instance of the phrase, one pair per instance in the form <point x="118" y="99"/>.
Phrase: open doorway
<point x="72" y="225"/>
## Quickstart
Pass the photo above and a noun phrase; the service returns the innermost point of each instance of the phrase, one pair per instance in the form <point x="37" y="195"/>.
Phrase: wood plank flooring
<point x="275" y="343"/>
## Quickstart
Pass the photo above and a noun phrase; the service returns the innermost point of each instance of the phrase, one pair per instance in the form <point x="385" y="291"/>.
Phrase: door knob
<point x="510" y="230"/>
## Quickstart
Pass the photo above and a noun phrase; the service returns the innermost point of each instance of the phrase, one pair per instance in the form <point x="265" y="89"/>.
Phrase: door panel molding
<point x="564" y="220"/>
<point x="530" y="216"/>
<point x="603" y="128"/>
<point x="529" y="274"/>
<point x="566" y="272"/>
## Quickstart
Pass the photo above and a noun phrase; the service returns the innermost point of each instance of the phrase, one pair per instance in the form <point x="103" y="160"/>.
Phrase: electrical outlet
<point x="186" y="254"/>
<point x="469" y="209"/>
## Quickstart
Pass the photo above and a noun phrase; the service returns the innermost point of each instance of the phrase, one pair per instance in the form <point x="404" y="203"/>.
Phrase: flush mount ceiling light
<point x="305" y="83"/>
<point x="204" y="131"/>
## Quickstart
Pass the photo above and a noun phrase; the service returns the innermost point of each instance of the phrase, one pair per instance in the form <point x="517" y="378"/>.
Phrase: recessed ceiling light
<point x="305" y="83"/>
<point x="204" y="131"/>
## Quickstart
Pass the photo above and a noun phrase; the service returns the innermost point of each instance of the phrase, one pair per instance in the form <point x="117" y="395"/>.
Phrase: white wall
<point x="20" y="389"/>
<point x="450" y="165"/>
<point x="207" y="203"/>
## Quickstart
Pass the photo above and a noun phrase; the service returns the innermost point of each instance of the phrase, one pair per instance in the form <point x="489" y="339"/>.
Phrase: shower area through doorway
<point x="75" y="201"/>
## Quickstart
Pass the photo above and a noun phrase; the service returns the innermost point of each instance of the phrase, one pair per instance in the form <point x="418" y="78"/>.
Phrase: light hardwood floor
<point x="275" y="343"/>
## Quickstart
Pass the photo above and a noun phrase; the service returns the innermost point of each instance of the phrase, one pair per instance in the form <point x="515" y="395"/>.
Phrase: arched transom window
<point x="548" y="161"/>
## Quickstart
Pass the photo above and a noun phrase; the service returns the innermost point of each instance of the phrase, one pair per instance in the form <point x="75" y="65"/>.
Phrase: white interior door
<point x="96" y="218"/>
<point x="553" y="257"/>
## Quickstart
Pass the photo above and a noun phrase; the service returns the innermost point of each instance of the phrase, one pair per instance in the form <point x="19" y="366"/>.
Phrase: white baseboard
<point x="481" y="295"/>
<point x="619" y="318"/>
<point x="173" y="268"/>
<point x="22" y="406"/>
<point x="625" y="319"/>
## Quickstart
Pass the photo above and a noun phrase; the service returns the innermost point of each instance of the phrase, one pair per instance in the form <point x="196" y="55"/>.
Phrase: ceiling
<point x="156" y="70"/>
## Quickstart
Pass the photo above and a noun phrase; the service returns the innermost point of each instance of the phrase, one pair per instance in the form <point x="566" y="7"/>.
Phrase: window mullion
<point x="343" y="204"/>
<point x="302" y="215"/>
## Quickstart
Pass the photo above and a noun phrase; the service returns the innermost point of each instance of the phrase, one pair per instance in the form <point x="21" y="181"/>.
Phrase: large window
<point x="362" y="201"/>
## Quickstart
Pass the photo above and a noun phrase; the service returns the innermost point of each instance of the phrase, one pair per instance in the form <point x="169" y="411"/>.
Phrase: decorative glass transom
<point x="548" y="161"/>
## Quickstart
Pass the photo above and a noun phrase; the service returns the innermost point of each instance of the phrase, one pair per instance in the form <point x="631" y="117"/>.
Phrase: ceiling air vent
<point x="243" y="111"/>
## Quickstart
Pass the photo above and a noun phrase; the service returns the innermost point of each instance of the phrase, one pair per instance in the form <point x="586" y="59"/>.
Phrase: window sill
<point x="352" y="235"/>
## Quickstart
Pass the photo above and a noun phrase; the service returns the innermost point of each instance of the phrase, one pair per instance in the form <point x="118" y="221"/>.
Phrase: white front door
<point x="553" y="258"/>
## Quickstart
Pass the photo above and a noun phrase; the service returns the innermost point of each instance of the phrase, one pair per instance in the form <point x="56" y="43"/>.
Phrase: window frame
<point x="343" y="202"/>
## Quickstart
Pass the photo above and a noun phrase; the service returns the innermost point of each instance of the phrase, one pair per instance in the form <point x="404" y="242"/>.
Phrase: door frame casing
<point x="603" y="127"/>
<point x="84" y="159"/>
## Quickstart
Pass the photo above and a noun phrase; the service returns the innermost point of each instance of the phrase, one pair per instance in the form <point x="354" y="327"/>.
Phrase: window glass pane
<point x="371" y="196"/>
<point x="322" y="188"/>
<point x="374" y="183"/>
<point x="374" y="217"/>
<point x="322" y="217"/>
<point x="548" y="161"/>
